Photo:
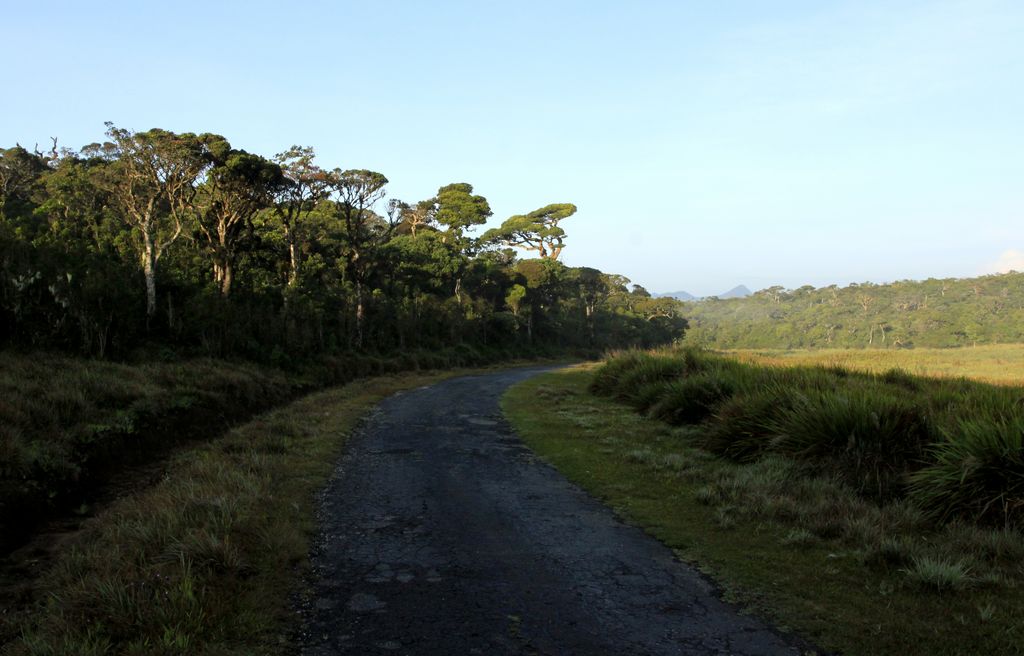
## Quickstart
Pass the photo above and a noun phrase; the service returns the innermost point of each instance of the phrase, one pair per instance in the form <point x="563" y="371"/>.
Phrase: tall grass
<point x="953" y="448"/>
<point x="977" y="470"/>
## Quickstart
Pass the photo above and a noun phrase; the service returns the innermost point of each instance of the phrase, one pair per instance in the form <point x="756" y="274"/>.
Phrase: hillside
<point x="934" y="313"/>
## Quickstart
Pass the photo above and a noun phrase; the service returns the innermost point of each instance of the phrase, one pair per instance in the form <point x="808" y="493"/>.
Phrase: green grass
<point x="952" y="447"/>
<point x="782" y="534"/>
<point x="208" y="560"/>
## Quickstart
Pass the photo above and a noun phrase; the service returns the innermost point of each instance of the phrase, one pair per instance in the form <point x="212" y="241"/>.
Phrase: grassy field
<point x="1002" y="364"/>
<point x="786" y="534"/>
<point x="207" y="561"/>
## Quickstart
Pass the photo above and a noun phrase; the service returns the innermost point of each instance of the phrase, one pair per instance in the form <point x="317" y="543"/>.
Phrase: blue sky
<point x="707" y="144"/>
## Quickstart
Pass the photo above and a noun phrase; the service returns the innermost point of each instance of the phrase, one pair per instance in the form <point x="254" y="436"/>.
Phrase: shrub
<point x="690" y="400"/>
<point x="606" y="379"/>
<point x="744" y="424"/>
<point x="870" y="436"/>
<point x="647" y="370"/>
<point x="648" y="395"/>
<point x="978" y="472"/>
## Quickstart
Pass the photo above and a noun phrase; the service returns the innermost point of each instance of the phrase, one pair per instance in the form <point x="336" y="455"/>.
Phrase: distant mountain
<point x="739" y="291"/>
<point x="682" y="296"/>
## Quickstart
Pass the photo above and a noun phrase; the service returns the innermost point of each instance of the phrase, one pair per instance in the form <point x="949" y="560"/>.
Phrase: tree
<point x="152" y="182"/>
<point x="417" y="216"/>
<point x="457" y="208"/>
<point x="237" y="186"/>
<point x="77" y="207"/>
<point x="356" y="192"/>
<point x="20" y="177"/>
<point x="305" y="185"/>
<point x="537" y="231"/>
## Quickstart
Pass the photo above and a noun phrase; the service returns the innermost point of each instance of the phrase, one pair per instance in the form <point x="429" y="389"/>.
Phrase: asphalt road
<point x="443" y="534"/>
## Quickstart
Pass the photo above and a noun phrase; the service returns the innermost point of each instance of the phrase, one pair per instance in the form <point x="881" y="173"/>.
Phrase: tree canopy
<point x="537" y="231"/>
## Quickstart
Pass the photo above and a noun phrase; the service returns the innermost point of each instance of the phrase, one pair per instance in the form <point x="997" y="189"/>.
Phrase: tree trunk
<point x="149" y="270"/>
<point x="227" y="276"/>
<point x="360" y="314"/>
<point x="293" y="258"/>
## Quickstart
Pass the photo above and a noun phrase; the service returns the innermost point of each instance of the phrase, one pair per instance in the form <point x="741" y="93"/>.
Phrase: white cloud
<point x="1011" y="260"/>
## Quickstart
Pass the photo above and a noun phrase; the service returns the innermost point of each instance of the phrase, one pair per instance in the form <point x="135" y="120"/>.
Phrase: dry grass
<point x="1000" y="363"/>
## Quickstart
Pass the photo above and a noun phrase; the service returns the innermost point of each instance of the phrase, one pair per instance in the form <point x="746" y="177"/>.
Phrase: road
<point x="443" y="534"/>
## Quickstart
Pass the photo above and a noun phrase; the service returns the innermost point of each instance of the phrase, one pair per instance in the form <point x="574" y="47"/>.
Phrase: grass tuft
<point x="977" y="472"/>
<point x="939" y="574"/>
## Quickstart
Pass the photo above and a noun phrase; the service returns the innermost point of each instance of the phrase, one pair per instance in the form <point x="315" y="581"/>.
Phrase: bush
<point x="606" y="379"/>
<point x="690" y="400"/>
<point x="978" y="472"/>
<point x="649" y="369"/>
<point x="869" y="435"/>
<point x="648" y="395"/>
<point x="744" y="424"/>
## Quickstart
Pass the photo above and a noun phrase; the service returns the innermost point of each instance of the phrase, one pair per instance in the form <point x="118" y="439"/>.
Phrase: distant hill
<point x="739" y="291"/>
<point x="903" y="314"/>
<point x="682" y="296"/>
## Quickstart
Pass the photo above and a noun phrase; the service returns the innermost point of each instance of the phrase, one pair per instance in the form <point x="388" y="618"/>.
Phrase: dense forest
<point x="931" y="313"/>
<point x="159" y="243"/>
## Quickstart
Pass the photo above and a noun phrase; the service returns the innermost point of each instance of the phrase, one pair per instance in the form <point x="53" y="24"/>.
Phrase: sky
<point x="706" y="144"/>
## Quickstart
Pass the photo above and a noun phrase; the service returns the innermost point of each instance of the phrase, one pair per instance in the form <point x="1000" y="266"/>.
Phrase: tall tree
<point x="458" y="208"/>
<point x="152" y="182"/>
<point x="356" y="191"/>
<point x="305" y="185"/>
<point x="238" y="185"/>
<point x="538" y="231"/>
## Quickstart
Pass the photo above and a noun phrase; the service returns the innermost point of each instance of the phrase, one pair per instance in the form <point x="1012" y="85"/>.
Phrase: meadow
<point x="993" y="363"/>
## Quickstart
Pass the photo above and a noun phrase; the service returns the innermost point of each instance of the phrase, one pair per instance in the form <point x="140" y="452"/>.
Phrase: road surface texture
<point x="443" y="534"/>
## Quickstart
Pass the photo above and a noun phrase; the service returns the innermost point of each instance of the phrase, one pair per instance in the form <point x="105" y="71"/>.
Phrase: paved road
<point x="443" y="534"/>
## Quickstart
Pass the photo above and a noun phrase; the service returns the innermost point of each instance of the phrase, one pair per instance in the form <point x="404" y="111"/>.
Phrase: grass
<point x="780" y="533"/>
<point x="995" y="363"/>
<point x="953" y="447"/>
<point x="208" y="560"/>
<point x="66" y="423"/>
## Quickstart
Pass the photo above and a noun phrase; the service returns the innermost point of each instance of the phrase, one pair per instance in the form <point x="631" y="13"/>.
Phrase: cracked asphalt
<point x="441" y="533"/>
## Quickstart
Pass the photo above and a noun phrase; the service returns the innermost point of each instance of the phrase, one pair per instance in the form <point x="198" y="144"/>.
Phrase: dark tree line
<point x="163" y="240"/>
